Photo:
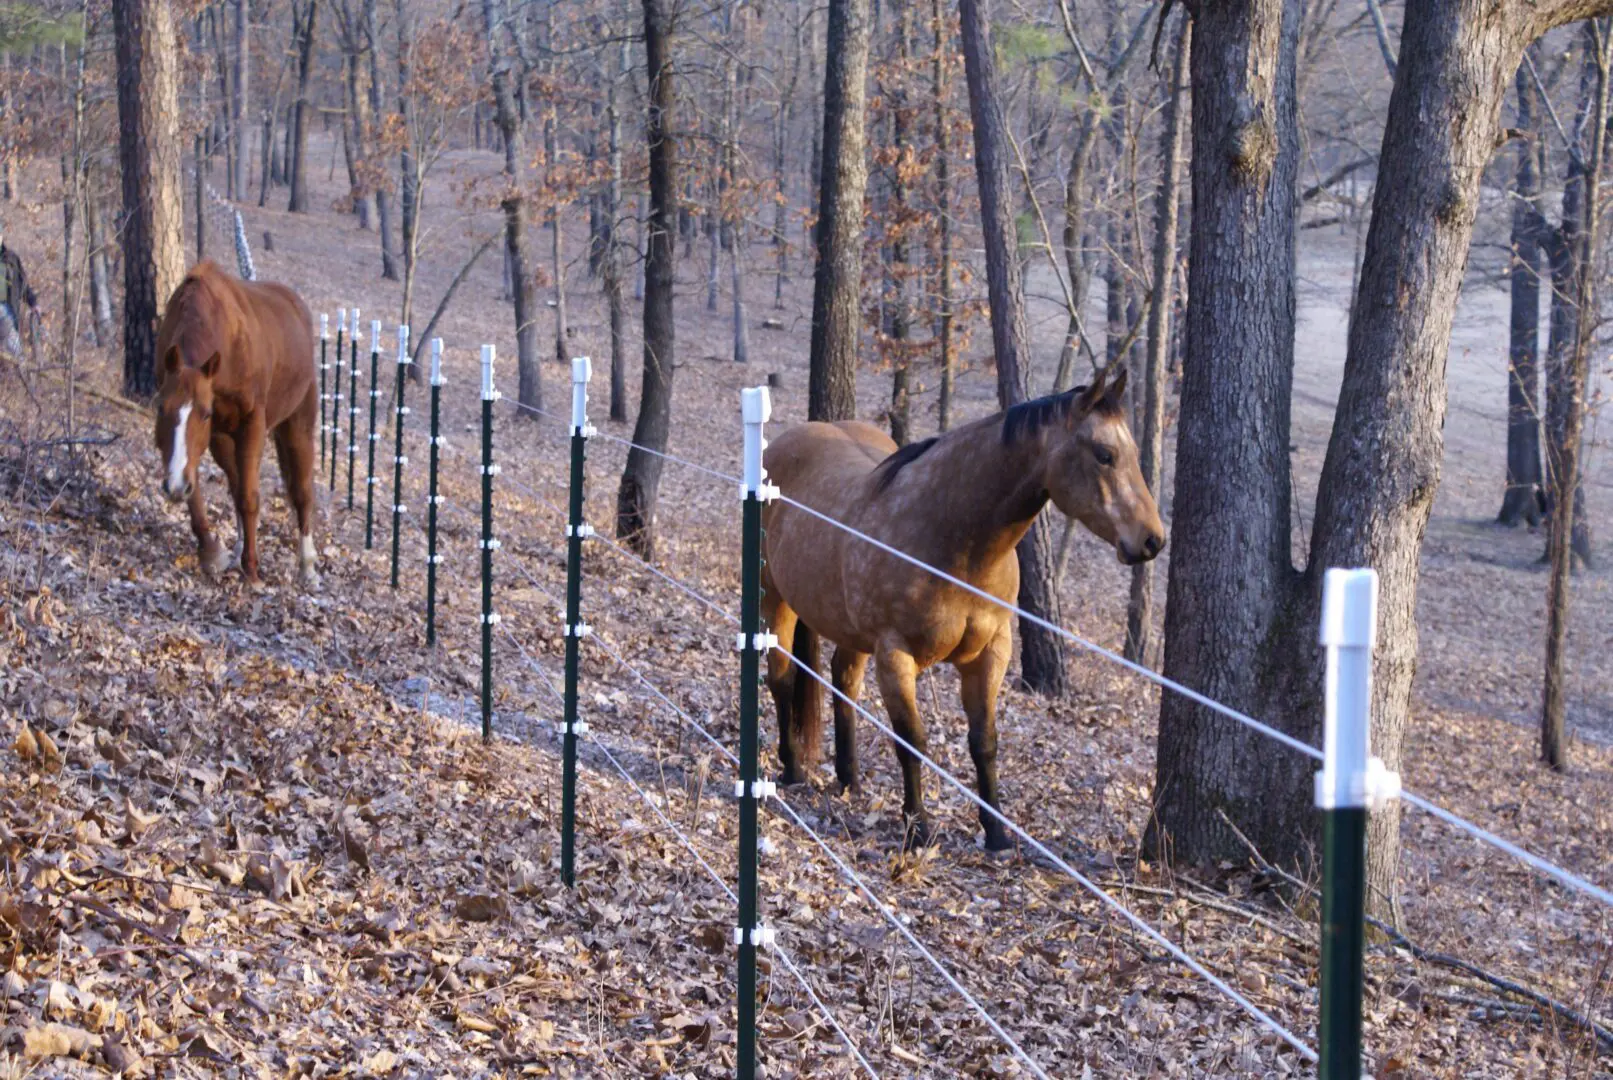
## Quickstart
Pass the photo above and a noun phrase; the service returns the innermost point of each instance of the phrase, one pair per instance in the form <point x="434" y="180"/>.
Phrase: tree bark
<point x="100" y="272"/>
<point x="153" y="203"/>
<point x="1041" y="652"/>
<point x="943" y="212"/>
<point x="1226" y="627"/>
<point x="530" y="392"/>
<point x="612" y="268"/>
<point x="302" y="114"/>
<point x="837" y="280"/>
<point x="1521" y="503"/>
<point x="241" y="96"/>
<point x="383" y="200"/>
<point x="1151" y="440"/>
<point x="641" y="479"/>
<point x="899" y="217"/>
<point x="557" y="241"/>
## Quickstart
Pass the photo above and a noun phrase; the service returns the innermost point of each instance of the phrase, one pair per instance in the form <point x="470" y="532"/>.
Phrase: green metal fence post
<point x="577" y="530"/>
<point x="1349" y="785"/>
<point x="332" y="430"/>
<point x="324" y="372"/>
<point x="434" y="500"/>
<point x="756" y="406"/>
<point x="398" y="459"/>
<point x="375" y="436"/>
<point x="488" y="544"/>
<point x="352" y="410"/>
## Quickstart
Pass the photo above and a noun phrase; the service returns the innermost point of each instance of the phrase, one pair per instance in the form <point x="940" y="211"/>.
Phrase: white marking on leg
<point x="308" y="552"/>
<point x="178" y="456"/>
<point x="240" y="538"/>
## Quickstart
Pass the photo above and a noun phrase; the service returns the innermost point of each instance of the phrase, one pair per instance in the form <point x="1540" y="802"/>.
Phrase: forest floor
<point x="253" y="832"/>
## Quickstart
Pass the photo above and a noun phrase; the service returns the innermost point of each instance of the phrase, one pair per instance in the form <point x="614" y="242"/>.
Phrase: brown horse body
<point x="960" y="503"/>
<point x="238" y="369"/>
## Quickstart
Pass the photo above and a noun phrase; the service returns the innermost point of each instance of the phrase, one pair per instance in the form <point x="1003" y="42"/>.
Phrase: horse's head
<point x="1093" y="474"/>
<point x="184" y="421"/>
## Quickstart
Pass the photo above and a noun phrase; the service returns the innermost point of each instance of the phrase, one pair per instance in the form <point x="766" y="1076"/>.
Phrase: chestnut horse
<point x="238" y="367"/>
<point x="960" y="502"/>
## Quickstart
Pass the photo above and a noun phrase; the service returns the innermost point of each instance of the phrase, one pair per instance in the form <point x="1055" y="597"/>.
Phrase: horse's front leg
<point x="209" y="552"/>
<point x="898" y="677"/>
<point x="248" y="456"/>
<point x="982" y="680"/>
<point x="848" y="667"/>
<point x="781" y="676"/>
<point x="223" y="447"/>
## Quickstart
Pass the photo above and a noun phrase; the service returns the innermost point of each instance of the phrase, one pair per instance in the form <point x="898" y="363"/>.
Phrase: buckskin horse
<point x="237" y="369"/>
<point x="959" y="502"/>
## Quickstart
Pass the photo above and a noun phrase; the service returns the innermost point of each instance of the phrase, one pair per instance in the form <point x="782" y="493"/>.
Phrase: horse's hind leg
<point x="848" y="667"/>
<point x="898" y="676"/>
<point x="982" y="679"/>
<point x="295" y="446"/>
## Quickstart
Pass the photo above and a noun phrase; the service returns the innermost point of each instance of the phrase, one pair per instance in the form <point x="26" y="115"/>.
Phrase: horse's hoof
<point x="997" y="842"/>
<point x="920" y="834"/>
<point x="215" y="560"/>
<point x="849" y="788"/>
<point x="310" y="578"/>
<point x="791" y="777"/>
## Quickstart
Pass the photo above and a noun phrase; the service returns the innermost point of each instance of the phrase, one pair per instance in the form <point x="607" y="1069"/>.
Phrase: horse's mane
<point x="1019" y="422"/>
<point x="892" y="465"/>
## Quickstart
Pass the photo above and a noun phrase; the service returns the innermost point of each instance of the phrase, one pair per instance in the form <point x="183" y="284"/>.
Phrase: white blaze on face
<point x="178" y="455"/>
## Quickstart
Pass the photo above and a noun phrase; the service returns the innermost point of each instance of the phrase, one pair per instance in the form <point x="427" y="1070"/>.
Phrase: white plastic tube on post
<point x="756" y="406"/>
<point x="341" y="321"/>
<point x="1350" y="776"/>
<point x="403" y="344"/>
<point x="436" y="362"/>
<point x="488" y="393"/>
<point x="324" y="326"/>
<point x="581" y="371"/>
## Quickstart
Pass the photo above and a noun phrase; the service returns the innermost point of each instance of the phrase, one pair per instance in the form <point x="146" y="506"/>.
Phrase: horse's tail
<point x="806" y="696"/>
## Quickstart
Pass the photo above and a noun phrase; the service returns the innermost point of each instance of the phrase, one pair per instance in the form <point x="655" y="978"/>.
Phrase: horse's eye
<point x="205" y="414"/>
<point x="1105" y="456"/>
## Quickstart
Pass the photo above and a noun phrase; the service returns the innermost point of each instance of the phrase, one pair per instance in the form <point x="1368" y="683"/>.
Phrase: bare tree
<point x="837" y="283"/>
<point x="1150" y="444"/>
<point x="1565" y="473"/>
<point x="641" y="478"/>
<point x="304" y="18"/>
<point x="1041" y="651"/>
<point x="1523" y="498"/>
<point x="513" y="203"/>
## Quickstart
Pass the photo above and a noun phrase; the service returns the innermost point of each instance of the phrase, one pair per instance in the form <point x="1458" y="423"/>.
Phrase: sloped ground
<point x="267" y="839"/>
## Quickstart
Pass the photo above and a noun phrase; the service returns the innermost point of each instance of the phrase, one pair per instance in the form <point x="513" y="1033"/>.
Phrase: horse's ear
<point x="210" y="368"/>
<point x="170" y="360"/>
<point x="1091" y="395"/>
<point x="1117" y="389"/>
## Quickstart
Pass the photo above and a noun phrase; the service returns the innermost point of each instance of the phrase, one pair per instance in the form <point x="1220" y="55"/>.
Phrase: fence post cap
<point x="582" y="369"/>
<point x="324" y="324"/>
<point x="756" y="404"/>
<point x="1350" y="608"/>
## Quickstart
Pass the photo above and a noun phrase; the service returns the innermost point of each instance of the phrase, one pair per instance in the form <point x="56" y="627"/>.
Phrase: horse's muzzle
<point x="179" y="495"/>
<point x="1151" y="546"/>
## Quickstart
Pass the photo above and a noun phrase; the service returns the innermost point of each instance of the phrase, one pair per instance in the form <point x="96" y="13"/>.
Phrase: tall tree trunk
<point x="641" y="479"/>
<point x="240" y="102"/>
<point x="1383" y="459"/>
<point x="1231" y="571"/>
<point x="353" y="139"/>
<point x="900" y="215"/>
<point x="153" y="203"/>
<point x="383" y="200"/>
<point x="1041" y="652"/>
<point x="557" y="242"/>
<point x="837" y="282"/>
<point x="1565" y="476"/>
<point x="1522" y="501"/>
<point x="1151" y="441"/>
<point x="530" y="391"/>
<point x="8" y="161"/>
<point x="612" y="269"/>
<point x="302" y="114"/>
<point x="943" y="213"/>
<point x="733" y="223"/>
<point x="409" y="166"/>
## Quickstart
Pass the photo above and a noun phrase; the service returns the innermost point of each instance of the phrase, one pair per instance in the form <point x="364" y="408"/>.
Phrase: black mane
<point x="1026" y="419"/>
<point x="1020" y="422"/>
<point x="895" y="463"/>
